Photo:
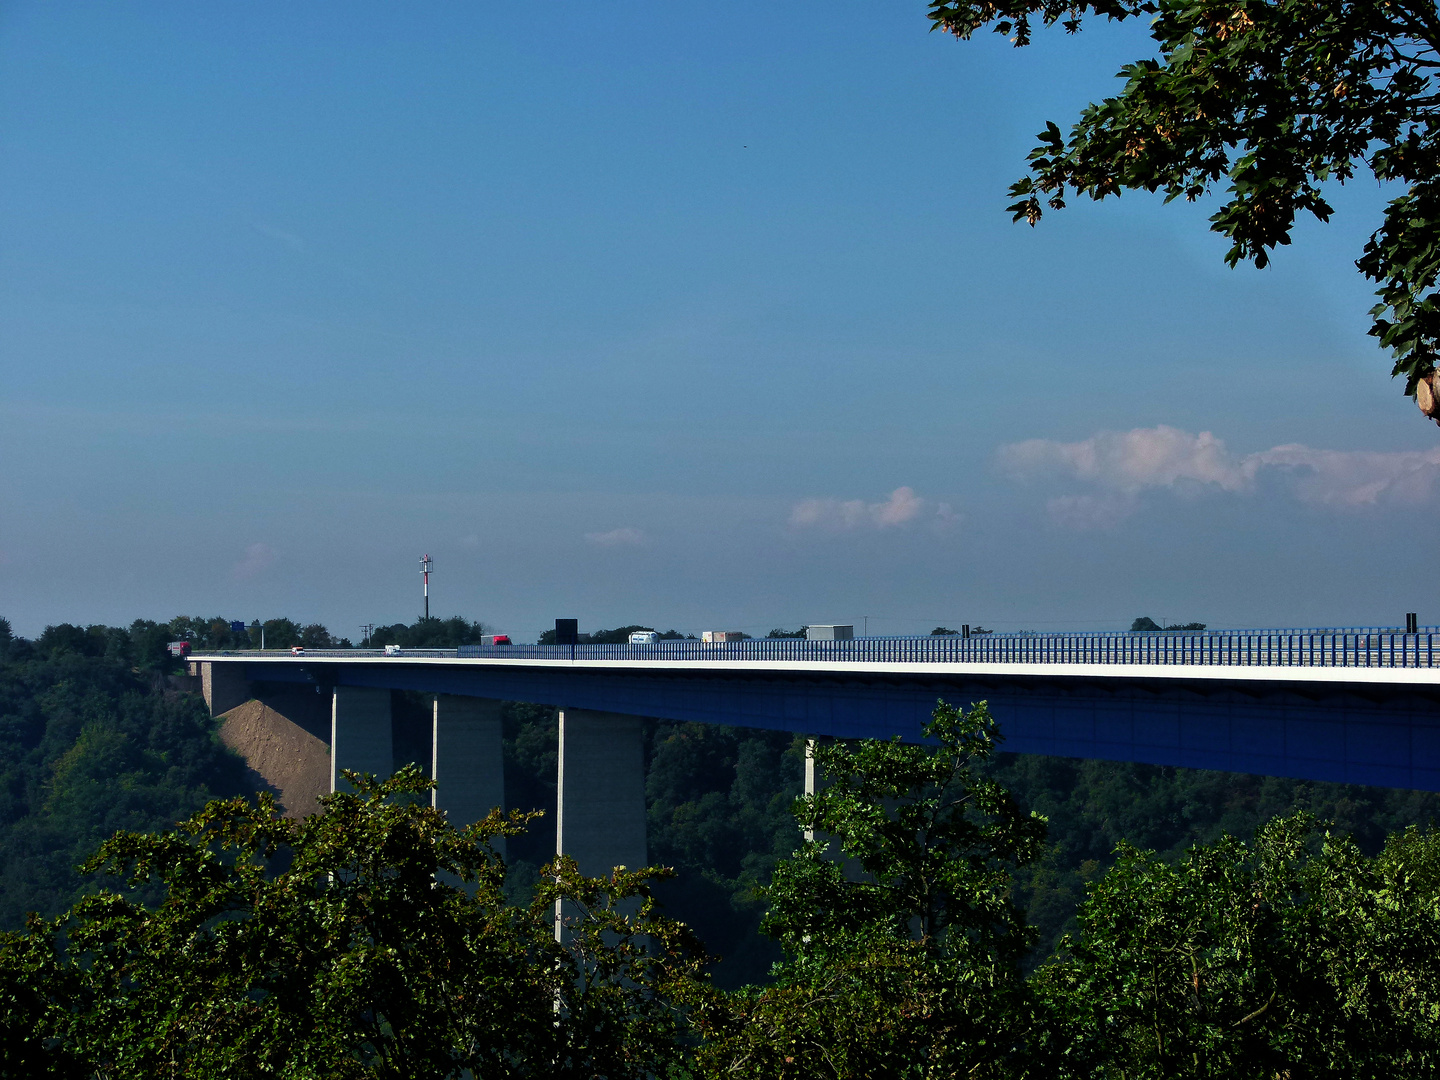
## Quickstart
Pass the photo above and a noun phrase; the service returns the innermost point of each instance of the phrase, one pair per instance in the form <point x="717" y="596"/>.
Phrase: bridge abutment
<point x="224" y="686"/>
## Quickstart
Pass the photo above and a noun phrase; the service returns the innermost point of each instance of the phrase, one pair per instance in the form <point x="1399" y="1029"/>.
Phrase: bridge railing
<point x="1265" y="648"/>
<point x="1354" y="647"/>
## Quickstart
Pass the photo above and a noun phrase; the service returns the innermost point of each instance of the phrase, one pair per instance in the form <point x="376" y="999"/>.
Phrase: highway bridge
<point x="1353" y="705"/>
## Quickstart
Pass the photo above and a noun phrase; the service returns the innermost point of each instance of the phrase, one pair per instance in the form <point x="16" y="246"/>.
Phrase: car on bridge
<point x="644" y="637"/>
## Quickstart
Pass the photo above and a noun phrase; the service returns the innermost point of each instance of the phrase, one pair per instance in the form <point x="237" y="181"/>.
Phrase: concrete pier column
<point x="224" y="686"/>
<point x="600" y="816"/>
<point x="812" y="779"/>
<point x="467" y="759"/>
<point x="360" y="733"/>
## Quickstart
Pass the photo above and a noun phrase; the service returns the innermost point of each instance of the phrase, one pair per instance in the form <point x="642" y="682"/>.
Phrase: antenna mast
<point x="425" y="565"/>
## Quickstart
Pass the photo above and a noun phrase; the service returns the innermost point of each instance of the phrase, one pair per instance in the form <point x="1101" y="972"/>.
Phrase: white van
<point x="644" y="637"/>
<point x="393" y="650"/>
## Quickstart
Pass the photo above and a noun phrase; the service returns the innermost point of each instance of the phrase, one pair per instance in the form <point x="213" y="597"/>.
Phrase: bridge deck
<point x="1349" y="706"/>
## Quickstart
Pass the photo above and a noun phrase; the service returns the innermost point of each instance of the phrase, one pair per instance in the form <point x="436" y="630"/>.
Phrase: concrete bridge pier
<point x="361" y="736"/>
<point x="600" y="816"/>
<point x="467" y="759"/>
<point x="812" y="778"/>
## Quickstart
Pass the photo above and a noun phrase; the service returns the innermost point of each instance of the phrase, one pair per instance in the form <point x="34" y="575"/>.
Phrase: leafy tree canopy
<point x="1145" y="623"/>
<point x="1296" y="955"/>
<point x="1272" y="99"/>
<point x="369" y="940"/>
<point x="902" y="944"/>
<point x="431" y="633"/>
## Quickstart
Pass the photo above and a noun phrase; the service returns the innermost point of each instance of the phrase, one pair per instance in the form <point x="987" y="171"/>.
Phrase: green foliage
<point x="1093" y="806"/>
<point x="93" y="739"/>
<point x="216" y="633"/>
<point x="369" y="940"/>
<point x="1145" y="623"/>
<point x="431" y="633"/>
<point x="1273" y="99"/>
<point x="901" y="943"/>
<point x="1254" y="961"/>
<point x="279" y="634"/>
<point x="719" y="802"/>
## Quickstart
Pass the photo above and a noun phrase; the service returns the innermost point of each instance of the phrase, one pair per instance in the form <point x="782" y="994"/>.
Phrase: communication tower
<point x="425" y="565"/>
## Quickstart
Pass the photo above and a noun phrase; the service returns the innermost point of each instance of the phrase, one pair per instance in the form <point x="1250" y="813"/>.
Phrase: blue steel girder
<point x="1352" y="732"/>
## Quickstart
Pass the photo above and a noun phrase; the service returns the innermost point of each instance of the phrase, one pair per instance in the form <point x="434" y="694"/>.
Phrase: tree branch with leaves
<point x="1273" y="100"/>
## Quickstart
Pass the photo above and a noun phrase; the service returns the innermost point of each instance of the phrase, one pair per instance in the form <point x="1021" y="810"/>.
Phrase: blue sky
<point x="706" y="316"/>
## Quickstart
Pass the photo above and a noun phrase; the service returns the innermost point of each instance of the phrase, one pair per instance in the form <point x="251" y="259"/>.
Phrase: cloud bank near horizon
<point x="1119" y="466"/>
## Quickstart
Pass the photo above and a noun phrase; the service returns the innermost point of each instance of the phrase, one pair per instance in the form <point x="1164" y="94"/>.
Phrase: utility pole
<point x="366" y="629"/>
<point x="425" y="565"/>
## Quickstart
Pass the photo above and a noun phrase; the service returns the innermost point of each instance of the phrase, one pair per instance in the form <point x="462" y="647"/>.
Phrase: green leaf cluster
<point x="1273" y="99"/>
<point x="370" y="940"/>
<point x="94" y="737"/>
<point x="1294" y="956"/>
<point x="902" y="944"/>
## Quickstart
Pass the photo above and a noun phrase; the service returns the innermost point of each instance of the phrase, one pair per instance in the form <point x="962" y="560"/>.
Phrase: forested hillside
<point x="95" y="736"/>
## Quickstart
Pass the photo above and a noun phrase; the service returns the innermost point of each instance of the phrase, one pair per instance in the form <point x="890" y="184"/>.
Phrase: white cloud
<point x="258" y="558"/>
<point x="625" y="537"/>
<point x="903" y="505"/>
<point x="1130" y="461"/>
<point x="1120" y="465"/>
<point x="900" y="508"/>
<point x="1352" y="478"/>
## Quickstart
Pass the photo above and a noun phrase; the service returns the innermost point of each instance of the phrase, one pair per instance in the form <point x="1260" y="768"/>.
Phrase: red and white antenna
<point x="425" y="565"/>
